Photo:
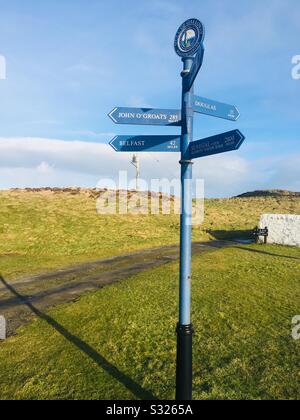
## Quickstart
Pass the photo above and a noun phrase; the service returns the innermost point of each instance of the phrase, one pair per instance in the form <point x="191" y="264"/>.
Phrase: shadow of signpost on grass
<point x="238" y="235"/>
<point x="271" y="254"/>
<point x="129" y="383"/>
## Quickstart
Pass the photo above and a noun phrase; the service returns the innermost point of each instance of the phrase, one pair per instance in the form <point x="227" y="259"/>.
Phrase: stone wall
<point x="283" y="229"/>
<point x="2" y="328"/>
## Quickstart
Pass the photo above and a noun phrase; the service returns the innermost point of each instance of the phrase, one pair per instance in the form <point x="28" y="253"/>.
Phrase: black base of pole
<point x="184" y="372"/>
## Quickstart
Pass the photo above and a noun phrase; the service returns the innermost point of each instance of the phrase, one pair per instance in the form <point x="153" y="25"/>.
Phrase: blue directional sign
<point x="215" y="109"/>
<point x="146" y="143"/>
<point x="217" y="144"/>
<point x="197" y="64"/>
<point x="146" y="116"/>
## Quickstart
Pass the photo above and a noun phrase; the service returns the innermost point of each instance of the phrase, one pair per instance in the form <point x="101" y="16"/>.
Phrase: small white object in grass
<point x="2" y="328"/>
<point x="296" y="328"/>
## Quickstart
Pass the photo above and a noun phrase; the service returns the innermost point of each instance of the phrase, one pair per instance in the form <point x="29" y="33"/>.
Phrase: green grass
<point x="44" y="230"/>
<point x="119" y="342"/>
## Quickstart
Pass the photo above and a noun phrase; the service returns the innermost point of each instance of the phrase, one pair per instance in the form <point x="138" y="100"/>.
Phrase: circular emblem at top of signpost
<point x="189" y="38"/>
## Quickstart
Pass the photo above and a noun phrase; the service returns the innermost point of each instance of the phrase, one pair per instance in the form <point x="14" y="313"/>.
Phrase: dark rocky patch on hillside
<point x="270" y="193"/>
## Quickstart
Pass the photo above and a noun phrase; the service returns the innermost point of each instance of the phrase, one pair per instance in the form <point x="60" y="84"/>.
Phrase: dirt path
<point x="17" y="297"/>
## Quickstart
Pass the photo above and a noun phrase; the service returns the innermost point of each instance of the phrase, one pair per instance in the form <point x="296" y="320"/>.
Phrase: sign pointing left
<point x="146" y="143"/>
<point x="146" y="116"/>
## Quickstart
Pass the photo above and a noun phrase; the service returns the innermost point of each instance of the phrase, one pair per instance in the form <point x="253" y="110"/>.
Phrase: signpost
<point x="146" y="116"/>
<point x="189" y="46"/>
<point x="261" y="232"/>
<point x="146" y="144"/>
<point x="215" y="109"/>
<point x="217" y="144"/>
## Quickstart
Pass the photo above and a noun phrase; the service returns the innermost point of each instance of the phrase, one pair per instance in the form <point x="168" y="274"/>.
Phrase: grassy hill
<point x="106" y="344"/>
<point x="44" y="229"/>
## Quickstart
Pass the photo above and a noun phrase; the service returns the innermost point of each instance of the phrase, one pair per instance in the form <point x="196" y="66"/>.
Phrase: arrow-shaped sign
<point x="217" y="144"/>
<point x="146" y="143"/>
<point x="215" y="109"/>
<point x="146" y="116"/>
<point x="190" y="78"/>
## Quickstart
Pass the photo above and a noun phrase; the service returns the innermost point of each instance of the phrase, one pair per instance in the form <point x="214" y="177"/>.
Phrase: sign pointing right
<point x="222" y="143"/>
<point x="215" y="109"/>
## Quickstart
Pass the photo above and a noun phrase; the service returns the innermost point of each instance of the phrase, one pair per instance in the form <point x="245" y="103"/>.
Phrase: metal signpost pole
<point x="185" y="328"/>
<point x="189" y="46"/>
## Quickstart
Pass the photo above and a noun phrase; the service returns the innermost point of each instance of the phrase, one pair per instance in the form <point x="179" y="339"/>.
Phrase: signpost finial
<point x="189" y="38"/>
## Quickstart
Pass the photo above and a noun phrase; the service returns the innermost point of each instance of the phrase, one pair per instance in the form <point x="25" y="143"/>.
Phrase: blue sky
<point x="70" y="62"/>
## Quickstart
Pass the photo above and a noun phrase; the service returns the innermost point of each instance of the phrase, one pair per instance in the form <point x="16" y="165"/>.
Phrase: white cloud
<point x="77" y="156"/>
<point x="36" y="162"/>
<point x="223" y="174"/>
<point x="91" y="134"/>
<point x="44" y="168"/>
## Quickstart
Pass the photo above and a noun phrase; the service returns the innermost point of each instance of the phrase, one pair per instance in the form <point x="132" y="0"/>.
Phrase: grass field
<point x="44" y="230"/>
<point x="119" y="343"/>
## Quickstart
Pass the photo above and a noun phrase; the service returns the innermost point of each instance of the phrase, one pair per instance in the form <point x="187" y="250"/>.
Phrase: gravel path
<point x="17" y="297"/>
